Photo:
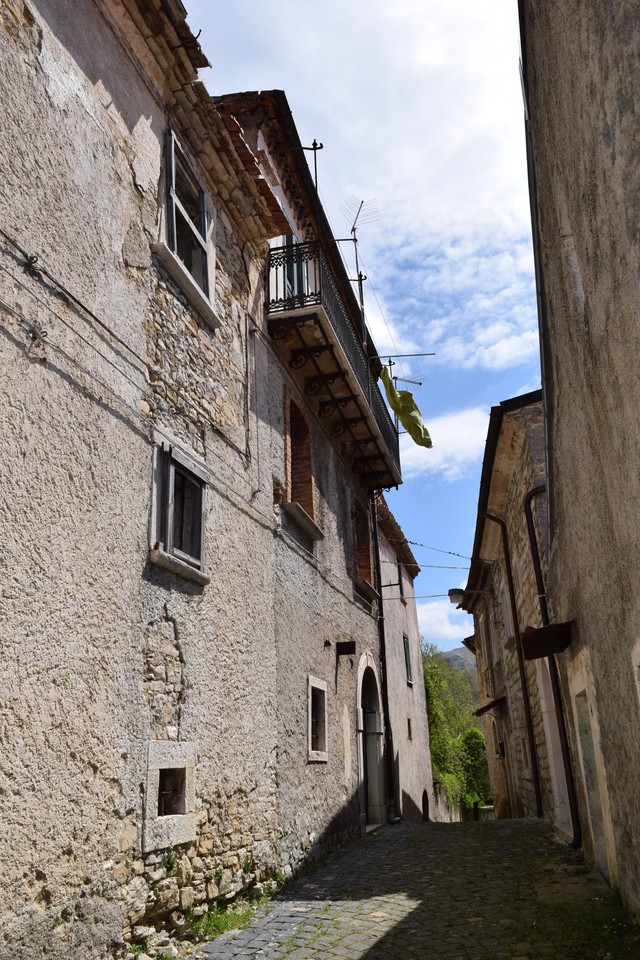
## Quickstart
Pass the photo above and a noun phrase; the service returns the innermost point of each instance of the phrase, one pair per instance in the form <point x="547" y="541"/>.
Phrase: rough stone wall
<point x="582" y="74"/>
<point x="518" y="468"/>
<point x="528" y="473"/>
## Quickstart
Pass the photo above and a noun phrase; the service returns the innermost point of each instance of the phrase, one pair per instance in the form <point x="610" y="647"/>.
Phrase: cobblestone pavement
<point x="468" y="891"/>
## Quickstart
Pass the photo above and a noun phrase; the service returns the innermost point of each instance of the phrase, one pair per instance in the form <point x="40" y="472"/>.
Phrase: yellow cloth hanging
<point x="406" y="410"/>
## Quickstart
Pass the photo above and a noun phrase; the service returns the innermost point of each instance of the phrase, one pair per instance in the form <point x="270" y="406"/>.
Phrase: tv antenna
<point x="359" y="211"/>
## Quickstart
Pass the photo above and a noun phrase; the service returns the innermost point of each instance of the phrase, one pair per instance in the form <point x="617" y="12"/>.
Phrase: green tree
<point x="457" y="742"/>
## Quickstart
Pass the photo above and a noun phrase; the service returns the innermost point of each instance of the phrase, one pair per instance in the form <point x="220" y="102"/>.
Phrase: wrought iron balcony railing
<point x="300" y="277"/>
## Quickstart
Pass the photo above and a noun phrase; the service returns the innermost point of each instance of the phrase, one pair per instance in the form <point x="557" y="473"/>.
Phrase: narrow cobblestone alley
<point x="469" y="891"/>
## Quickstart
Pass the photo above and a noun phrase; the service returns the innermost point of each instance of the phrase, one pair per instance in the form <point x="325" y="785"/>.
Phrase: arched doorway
<point x="370" y="744"/>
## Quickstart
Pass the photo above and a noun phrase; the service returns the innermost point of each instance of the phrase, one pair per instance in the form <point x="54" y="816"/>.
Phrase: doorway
<point x="371" y="749"/>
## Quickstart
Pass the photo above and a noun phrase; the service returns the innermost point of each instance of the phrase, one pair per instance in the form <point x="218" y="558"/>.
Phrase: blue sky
<point x="419" y="107"/>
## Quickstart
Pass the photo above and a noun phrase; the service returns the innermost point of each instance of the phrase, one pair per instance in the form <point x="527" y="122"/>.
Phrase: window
<point x="506" y="615"/>
<point x="317" y="714"/>
<point x="179" y="506"/>
<point x="185" y="246"/>
<point x="493" y="640"/>
<point x="300" y="502"/>
<point x="300" y="475"/>
<point x="170" y="795"/>
<point x="362" y="542"/>
<point x="482" y="630"/>
<point x="172" y="783"/>
<point x="400" y="579"/>
<point x="364" y="589"/>
<point x="186" y="215"/>
<point x="407" y="658"/>
<point x="409" y="729"/>
<point x="293" y="282"/>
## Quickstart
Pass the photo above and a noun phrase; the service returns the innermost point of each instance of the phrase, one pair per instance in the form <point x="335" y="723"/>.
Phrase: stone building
<point x="197" y="681"/>
<point x="411" y="766"/>
<point x="521" y="708"/>
<point x="581" y="73"/>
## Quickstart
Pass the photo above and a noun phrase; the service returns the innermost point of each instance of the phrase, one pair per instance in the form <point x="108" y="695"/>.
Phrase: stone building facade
<point x="522" y="723"/>
<point x="193" y="442"/>
<point x="581" y="73"/>
<point x="412" y="774"/>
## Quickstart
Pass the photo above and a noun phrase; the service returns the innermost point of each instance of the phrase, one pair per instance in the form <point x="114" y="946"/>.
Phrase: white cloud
<point x="458" y="444"/>
<point x="412" y="101"/>
<point x="441" y="623"/>
<point x="496" y="347"/>
<point x="419" y="107"/>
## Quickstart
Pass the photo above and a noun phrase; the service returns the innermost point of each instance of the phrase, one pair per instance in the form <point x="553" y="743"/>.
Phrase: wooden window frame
<point x="195" y="288"/>
<point x="177" y="157"/>
<point x="169" y="462"/>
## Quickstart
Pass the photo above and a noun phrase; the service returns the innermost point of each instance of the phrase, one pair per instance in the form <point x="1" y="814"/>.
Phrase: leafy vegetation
<point x="219" y="920"/>
<point x="457" y="742"/>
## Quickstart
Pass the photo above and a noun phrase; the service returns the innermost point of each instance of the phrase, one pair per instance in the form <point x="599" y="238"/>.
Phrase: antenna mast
<point x="359" y="211"/>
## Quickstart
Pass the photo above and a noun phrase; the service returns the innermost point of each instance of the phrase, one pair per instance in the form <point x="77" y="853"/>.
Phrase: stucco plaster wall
<point x="317" y="610"/>
<point x="583" y="74"/>
<point x="102" y="650"/>
<point x="115" y="665"/>
<point x="407" y="700"/>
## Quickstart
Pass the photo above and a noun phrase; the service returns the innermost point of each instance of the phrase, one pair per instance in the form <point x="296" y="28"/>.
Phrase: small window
<point x="172" y="786"/>
<point x="407" y="658"/>
<point x="506" y="614"/>
<point x="493" y="640"/>
<point x="482" y="631"/>
<point x="317" y="720"/>
<point x="170" y="795"/>
<point x="179" y="514"/>
<point x="409" y="729"/>
<point x="400" y="578"/>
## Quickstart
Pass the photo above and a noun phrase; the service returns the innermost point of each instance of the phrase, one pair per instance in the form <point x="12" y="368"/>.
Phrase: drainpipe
<point x="521" y="668"/>
<point x="388" y="735"/>
<point x="553" y="671"/>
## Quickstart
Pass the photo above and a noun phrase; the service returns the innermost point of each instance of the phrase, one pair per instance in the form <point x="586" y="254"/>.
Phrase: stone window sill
<point x="169" y="562"/>
<point x="187" y="284"/>
<point x="302" y="519"/>
<point x="365" y="589"/>
<point x="318" y="756"/>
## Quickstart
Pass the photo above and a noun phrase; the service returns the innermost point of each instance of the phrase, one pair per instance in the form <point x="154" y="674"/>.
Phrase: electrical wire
<point x="414" y="543"/>
<point x="187" y="400"/>
<point x="382" y="314"/>
<point x="88" y="343"/>
<point x="38" y="270"/>
<point x="33" y="267"/>
<point x="242" y="502"/>
<point x="429" y="566"/>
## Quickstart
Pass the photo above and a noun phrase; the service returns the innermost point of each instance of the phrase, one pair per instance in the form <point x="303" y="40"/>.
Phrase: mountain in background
<point x="461" y="658"/>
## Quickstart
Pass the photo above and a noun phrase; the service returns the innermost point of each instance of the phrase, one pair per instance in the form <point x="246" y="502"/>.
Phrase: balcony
<point x="315" y="332"/>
